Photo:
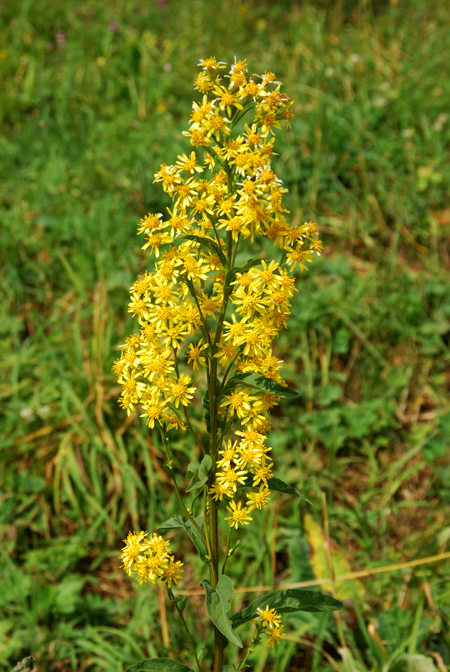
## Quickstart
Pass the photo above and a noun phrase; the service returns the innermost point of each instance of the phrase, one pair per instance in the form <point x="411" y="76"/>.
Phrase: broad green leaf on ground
<point x="280" y="486"/>
<point x="211" y="244"/>
<point x="176" y="522"/>
<point x="260" y="382"/>
<point x="198" y="472"/>
<point x="287" y="601"/>
<point x="159" y="665"/>
<point x="240" y="269"/>
<point x="218" y="605"/>
<point x="348" y="589"/>
<point x="413" y="662"/>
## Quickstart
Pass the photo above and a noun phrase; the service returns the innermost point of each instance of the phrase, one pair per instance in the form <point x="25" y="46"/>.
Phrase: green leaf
<point x="182" y="603"/>
<point x="286" y="602"/>
<point x="260" y="382"/>
<point x="217" y="606"/>
<point x="159" y="665"/>
<point x="200" y="472"/>
<point x="210" y="244"/>
<point x="413" y="662"/>
<point x="280" y="486"/>
<point x="176" y="522"/>
<point x="230" y="276"/>
<point x="164" y="465"/>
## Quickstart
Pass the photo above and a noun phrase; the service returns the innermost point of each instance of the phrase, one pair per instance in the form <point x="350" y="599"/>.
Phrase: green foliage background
<point x="94" y="96"/>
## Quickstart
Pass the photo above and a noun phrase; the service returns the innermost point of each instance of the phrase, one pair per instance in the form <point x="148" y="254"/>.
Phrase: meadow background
<point x="93" y="98"/>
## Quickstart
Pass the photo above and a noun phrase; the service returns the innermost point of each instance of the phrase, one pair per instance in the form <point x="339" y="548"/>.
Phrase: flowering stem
<point x="175" y="602"/>
<point x="224" y="379"/>
<point x="251" y="648"/>
<point x="191" y="286"/>
<point x="185" y="413"/>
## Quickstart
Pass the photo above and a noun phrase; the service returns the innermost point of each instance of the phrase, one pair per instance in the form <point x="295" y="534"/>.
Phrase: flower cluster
<point x="269" y="618"/>
<point x="197" y="309"/>
<point x="150" y="559"/>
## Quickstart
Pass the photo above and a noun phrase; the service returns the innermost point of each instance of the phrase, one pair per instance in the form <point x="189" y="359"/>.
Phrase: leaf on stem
<point x="288" y="601"/>
<point x="280" y="486"/>
<point x="198" y="472"/>
<point x="230" y="276"/>
<point x="210" y="244"/>
<point x="178" y="522"/>
<point x="159" y="665"/>
<point x="260" y="382"/>
<point x="218" y="604"/>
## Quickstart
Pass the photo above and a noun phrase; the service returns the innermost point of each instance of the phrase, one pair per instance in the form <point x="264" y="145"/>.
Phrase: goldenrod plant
<point x="200" y="312"/>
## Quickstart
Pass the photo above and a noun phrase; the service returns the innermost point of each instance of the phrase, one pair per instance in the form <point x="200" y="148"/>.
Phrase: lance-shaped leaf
<point x="287" y="601"/>
<point x="260" y="382"/>
<point x="218" y="605"/>
<point x="198" y="472"/>
<point x="159" y="665"/>
<point x="178" y="522"/>
<point x="210" y="244"/>
<point x="230" y="276"/>
<point x="280" y="486"/>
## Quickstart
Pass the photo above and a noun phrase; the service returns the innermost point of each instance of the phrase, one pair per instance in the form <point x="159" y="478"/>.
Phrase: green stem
<point x="226" y="374"/>
<point x="175" y="601"/>
<point x="185" y="413"/>
<point x="207" y="536"/>
<point x="177" y="490"/>
<point x="202" y="317"/>
<point x="227" y="551"/>
<point x="215" y="231"/>
<point x="241" y="114"/>
<point x="251" y="648"/>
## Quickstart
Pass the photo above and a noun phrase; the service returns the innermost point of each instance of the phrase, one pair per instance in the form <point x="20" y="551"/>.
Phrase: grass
<point x="94" y="98"/>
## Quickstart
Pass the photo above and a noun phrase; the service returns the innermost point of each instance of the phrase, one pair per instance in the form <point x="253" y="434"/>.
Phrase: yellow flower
<point x="298" y="256"/>
<point x="180" y="392"/>
<point x="231" y="477"/>
<point x="220" y="490"/>
<point x="274" y="636"/>
<point x="189" y="163"/>
<point x="228" y="455"/>
<point x="263" y="472"/>
<point x="194" y="356"/>
<point x="239" y="516"/>
<point x="269" y="617"/>
<point x="239" y="402"/>
<point x="258" y="500"/>
<point x="155" y="411"/>
<point x="133" y="551"/>
<point x="226" y="353"/>
<point x="172" y="572"/>
<point x="151" y="568"/>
